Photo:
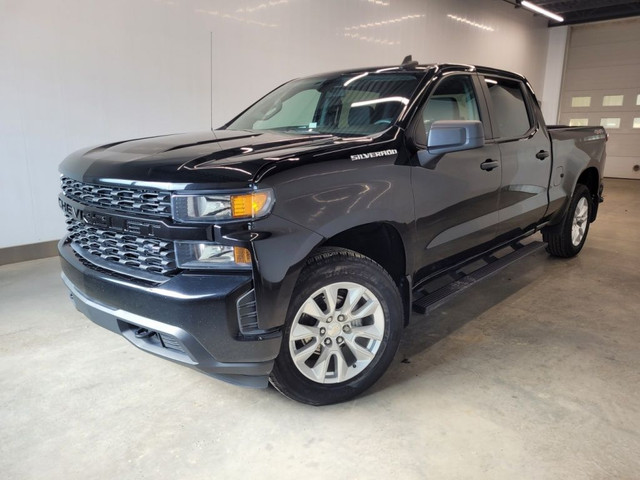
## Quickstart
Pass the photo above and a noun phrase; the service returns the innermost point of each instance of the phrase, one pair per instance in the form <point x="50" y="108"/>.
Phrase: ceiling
<point x="585" y="11"/>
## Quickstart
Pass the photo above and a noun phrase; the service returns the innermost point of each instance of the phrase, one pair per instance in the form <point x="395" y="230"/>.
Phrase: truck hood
<point x="192" y="160"/>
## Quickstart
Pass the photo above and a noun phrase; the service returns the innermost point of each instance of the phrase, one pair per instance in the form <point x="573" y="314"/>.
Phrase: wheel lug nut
<point x="341" y="318"/>
<point x="327" y="342"/>
<point x="329" y="320"/>
<point x="323" y="331"/>
<point x="346" y="329"/>
<point x="340" y="340"/>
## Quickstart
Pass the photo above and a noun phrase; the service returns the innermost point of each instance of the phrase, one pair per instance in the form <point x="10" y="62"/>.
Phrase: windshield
<point x="343" y="105"/>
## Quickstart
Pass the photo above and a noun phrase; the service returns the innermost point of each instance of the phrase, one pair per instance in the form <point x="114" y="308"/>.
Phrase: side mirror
<point x="447" y="136"/>
<point x="454" y="135"/>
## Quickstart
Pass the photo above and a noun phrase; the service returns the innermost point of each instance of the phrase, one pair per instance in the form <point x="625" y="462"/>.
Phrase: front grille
<point x="150" y="255"/>
<point x="144" y="201"/>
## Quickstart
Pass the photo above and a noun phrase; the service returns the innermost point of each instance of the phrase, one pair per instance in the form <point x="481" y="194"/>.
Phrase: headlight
<point x="222" y="207"/>
<point x="211" y="255"/>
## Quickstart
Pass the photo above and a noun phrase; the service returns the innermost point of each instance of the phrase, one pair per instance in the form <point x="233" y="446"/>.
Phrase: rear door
<point x="456" y="198"/>
<point x="525" y="152"/>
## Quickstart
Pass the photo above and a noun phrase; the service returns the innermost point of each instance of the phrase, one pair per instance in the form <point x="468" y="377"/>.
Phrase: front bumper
<point x="190" y="319"/>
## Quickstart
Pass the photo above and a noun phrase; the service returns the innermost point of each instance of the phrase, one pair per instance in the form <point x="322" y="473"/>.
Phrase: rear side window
<point x="510" y="114"/>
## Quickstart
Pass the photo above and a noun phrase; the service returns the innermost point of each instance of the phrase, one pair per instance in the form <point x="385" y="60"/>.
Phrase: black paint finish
<point x="437" y="212"/>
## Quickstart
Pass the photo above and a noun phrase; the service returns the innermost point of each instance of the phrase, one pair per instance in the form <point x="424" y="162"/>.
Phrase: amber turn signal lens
<point x="241" y="255"/>
<point x="248" y="205"/>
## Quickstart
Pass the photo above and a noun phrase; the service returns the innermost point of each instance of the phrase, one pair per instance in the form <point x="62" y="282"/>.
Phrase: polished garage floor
<point x="534" y="373"/>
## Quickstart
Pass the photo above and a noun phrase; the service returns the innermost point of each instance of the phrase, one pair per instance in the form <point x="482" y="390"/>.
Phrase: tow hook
<point x="144" y="333"/>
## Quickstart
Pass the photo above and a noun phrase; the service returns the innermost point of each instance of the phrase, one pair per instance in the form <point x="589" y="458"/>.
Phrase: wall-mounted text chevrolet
<point x="287" y="244"/>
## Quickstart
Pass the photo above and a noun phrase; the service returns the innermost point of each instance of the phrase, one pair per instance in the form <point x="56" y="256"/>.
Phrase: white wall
<point x="554" y="71"/>
<point x="80" y="72"/>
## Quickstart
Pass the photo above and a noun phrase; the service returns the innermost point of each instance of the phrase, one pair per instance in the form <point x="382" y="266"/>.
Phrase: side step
<point x="443" y="287"/>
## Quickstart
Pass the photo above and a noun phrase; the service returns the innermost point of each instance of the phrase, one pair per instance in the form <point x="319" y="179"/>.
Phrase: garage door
<point x="601" y="86"/>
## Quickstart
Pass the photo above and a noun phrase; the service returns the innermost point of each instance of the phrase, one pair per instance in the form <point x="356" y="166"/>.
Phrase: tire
<point x="567" y="238"/>
<point x="342" y="329"/>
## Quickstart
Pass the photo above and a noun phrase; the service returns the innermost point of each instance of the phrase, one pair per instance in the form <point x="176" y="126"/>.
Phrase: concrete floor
<point x="534" y="373"/>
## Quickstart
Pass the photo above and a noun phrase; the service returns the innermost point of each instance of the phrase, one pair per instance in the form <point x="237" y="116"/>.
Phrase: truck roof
<point x="425" y="67"/>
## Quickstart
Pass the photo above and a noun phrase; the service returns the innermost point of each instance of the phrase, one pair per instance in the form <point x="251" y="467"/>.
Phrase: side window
<point x="453" y="99"/>
<point x="510" y="112"/>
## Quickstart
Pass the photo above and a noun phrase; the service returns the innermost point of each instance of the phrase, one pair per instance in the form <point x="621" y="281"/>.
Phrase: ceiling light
<point x="541" y="11"/>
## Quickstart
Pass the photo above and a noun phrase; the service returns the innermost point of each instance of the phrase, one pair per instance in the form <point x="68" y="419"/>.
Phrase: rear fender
<point x="574" y="153"/>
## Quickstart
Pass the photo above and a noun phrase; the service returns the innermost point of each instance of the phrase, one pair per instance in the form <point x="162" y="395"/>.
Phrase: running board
<point x="438" y="290"/>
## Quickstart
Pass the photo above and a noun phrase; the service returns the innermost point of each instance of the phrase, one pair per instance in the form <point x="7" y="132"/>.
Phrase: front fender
<point x="333" y="196"/>
<point x="316" y="202"/>
<point x="278" y="261"/>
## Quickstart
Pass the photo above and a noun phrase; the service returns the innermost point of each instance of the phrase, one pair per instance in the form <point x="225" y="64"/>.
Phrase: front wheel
<point x="567" y="238"/>
<point x="343" y="328"/>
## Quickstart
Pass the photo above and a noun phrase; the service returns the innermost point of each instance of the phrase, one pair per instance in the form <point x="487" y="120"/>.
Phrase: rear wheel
<point x="567" y="238"/>
<point x="342" y="331"/>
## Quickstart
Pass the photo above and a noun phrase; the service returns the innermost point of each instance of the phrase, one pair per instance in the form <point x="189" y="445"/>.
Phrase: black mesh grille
<point x="148" y="254"/>
<point x="148" y="202"/>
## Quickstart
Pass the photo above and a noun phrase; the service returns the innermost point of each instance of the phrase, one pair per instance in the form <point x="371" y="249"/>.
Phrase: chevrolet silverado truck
<point x="288" y="245"/>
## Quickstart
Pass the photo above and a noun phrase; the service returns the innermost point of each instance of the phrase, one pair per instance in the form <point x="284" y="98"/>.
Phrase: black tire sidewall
<point x="339" y="268"/>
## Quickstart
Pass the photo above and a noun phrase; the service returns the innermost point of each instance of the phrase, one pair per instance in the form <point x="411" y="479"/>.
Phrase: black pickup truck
<point x="288" y="245"/>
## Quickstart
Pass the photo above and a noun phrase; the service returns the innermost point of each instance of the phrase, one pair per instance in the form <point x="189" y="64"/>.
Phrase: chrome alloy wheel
<point x="336" y="332"/>
<point x="580" y="221"/>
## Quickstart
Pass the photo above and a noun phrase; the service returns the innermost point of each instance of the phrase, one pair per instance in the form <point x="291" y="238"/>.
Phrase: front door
<point x="456" y="197"/>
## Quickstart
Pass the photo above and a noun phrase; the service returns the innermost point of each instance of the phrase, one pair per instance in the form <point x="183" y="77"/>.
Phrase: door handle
<point x="489" y="165"/>
<point x="542" y="154"/>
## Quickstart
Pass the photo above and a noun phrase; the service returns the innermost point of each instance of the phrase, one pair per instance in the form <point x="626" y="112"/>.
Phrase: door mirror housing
<point x="454" y="135"/>
<point x="447" y="136"/>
